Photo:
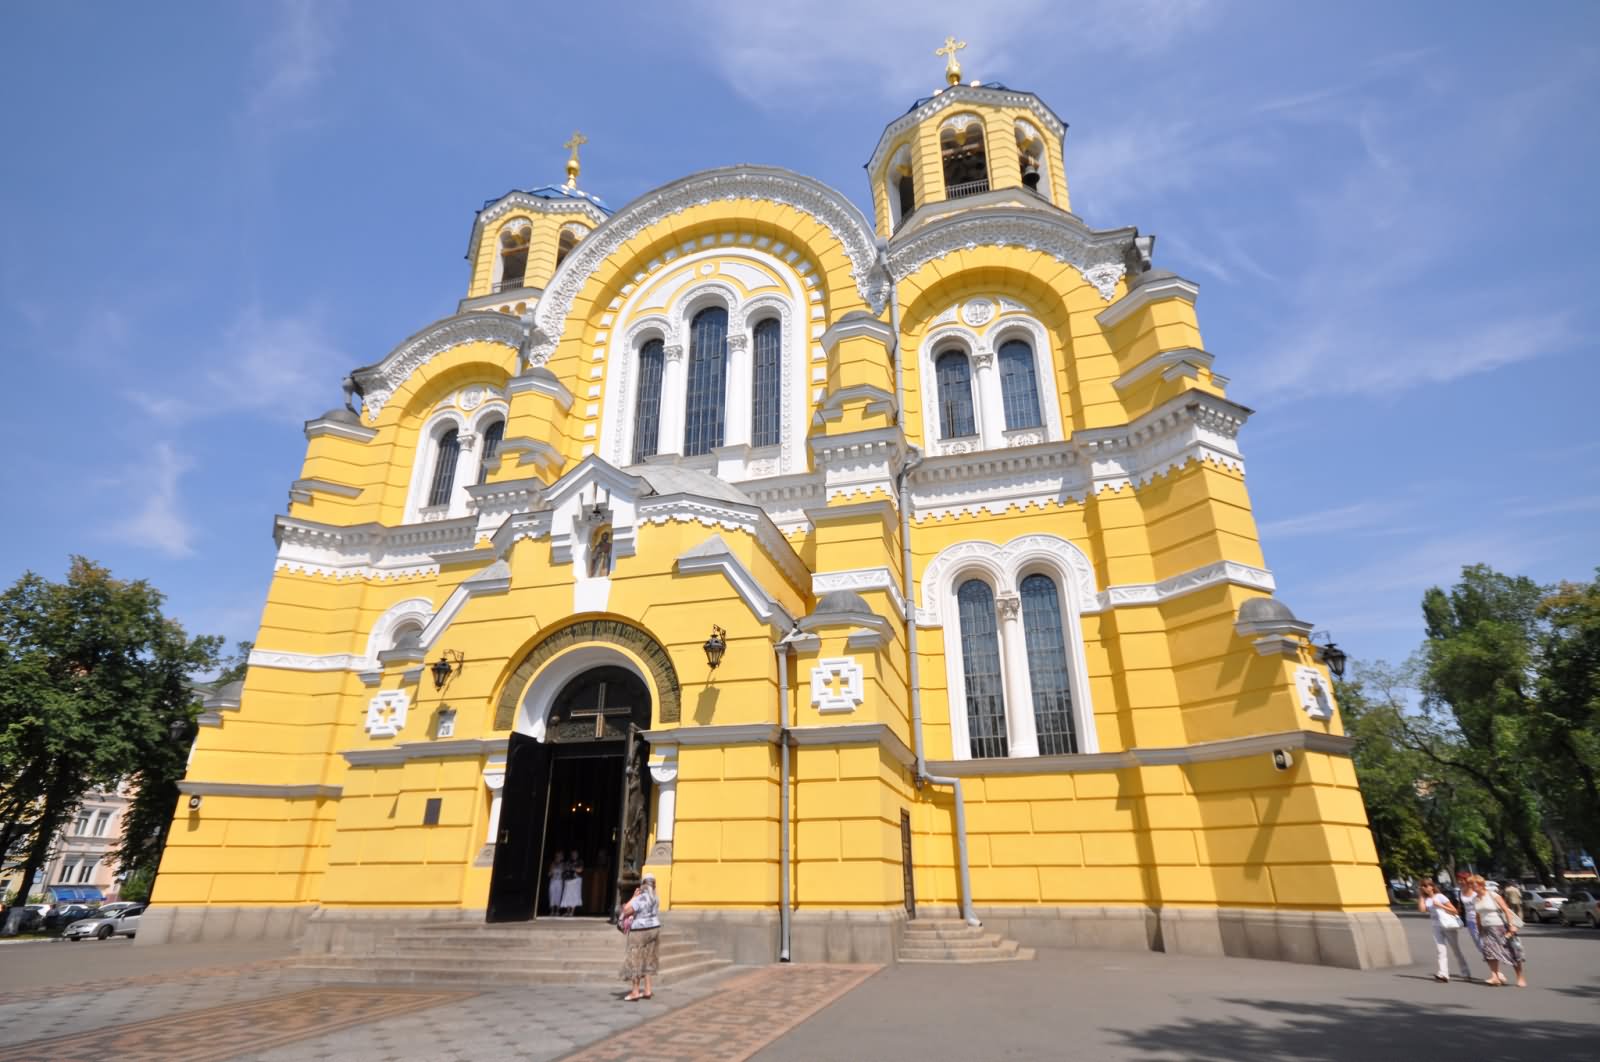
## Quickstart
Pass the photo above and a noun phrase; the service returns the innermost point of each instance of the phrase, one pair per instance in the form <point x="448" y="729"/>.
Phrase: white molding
<point x="270" y="792"/>
<point x="339" y="429"/>
<point x="860" y="579"/>
<point x="1100" y="257"/>
<point x="732" y="516"/>
<point x="725" y="734"/>
<point x="1200" y="752"/>
<point x="541" y="381"/>
<point x="854" y="325"/>
<point x="1182" y="361"/>
<point x="1130" y="594"/>
<point x="1316" y="699"/>
<point x="812" y="198"/>
<point x="386" y="713"/>
<point x="459" y="748"/>
<point x="301" y="490"/>
<point x="837" y="734"/>
<point x="851" y="693"/>
<point x="1150" y="291"/>
<point x="956" y="96"/>
<point x="382" y="379"/>
<point x="287" y="661"/>
<point x="713" y="555"/>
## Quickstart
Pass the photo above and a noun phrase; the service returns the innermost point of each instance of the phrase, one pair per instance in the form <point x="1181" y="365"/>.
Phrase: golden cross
<point x="952" y="69"/>
<point x="577" y="141"/>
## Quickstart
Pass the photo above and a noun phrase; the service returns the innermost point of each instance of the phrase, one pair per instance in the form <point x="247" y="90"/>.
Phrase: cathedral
<point x="838" y="571"/>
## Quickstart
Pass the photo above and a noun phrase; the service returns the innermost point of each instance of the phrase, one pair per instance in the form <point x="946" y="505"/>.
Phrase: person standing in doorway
<point x="1446" y="929"/>
<point x="643" y="955"/>
<point x="552" y="896"/>
<point x="572" y="884"/>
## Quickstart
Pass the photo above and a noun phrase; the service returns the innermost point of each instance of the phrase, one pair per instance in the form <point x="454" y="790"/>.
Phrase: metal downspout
<point x="913" y="459"/>
<point x="783" y="650"/>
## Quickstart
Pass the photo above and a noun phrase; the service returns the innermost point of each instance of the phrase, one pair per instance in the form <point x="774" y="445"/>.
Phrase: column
<point x="674" y="393"/>
<point x="1019" y="691"/>
<point x="665" y="776"/>
<point x="991" y="410"/>
<point x="466" y="472"/>
<point x="494" y="777"/>
<point x="740" y="401"/>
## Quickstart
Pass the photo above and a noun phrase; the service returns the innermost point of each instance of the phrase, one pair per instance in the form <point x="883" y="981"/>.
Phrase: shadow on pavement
<point x="1368" y="1029"/>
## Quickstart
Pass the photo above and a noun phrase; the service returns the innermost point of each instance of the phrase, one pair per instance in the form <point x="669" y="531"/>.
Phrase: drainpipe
<point x="783" y="650"/>
<point x="913" y="459"/>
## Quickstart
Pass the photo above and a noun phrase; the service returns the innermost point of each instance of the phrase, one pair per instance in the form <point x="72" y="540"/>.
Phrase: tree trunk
<point x="46" y="826"/>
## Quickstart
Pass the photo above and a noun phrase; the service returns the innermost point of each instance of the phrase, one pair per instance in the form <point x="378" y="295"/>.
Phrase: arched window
<point x="908" y="195"/>
<point x="565" y="244"/>
<point x="899" y="186"/>
<point x="492" y="435"/>
<point x="647" y="406"/>
<point x="1030" y="155"/>
<point x="407" y="636"/>
<point x="954" y="375"/>
<point x="966" y="166"/>
<point x="980" y="661"/>
<point x="444" y="468"/>
<point x="1047" y="666"/>
<point x="1019" y="386"/>
<point x="707" y="391"/>
<point x="766" y="421"/>
<point x="513" y="257"/>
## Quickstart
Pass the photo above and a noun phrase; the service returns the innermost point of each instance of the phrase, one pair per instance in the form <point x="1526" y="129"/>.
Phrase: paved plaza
<point x="207" y="1003"/>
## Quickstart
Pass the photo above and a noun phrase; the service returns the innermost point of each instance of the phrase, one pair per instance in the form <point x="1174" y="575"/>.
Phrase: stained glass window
<point x="492" y="435"/>
<point x="707" y="390"/>
<point x="444" y="468"/>
<point x="954" y="375"/>
<point x="1047" y="666"/>
<point x="980" y="660"/>
<point x="647" y="406"/>
<point x="1019" y="387"/>
<point x="766" y="423"/>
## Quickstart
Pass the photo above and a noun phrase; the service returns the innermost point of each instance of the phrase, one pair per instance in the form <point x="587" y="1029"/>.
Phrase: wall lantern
<point x="1333" y="656"/>
<point x="449" y="660"/>
<point x="715" y="646"/>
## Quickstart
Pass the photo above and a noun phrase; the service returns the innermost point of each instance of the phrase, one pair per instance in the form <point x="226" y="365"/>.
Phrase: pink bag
<point x="625" y="923"/>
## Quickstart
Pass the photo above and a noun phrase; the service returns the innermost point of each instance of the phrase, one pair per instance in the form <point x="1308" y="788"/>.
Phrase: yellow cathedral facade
<point x="839" y="571"/>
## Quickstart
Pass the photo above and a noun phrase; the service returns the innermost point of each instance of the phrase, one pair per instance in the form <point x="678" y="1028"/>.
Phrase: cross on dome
<point x="577" y="140"/>
<point x="952" y="69"/>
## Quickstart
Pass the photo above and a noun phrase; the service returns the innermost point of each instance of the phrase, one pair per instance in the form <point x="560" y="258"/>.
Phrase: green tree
<point x="1397" y="804"/>
<point x="149" y="816"/>
<point x="1563" y="732"/>
<point x="94" y="680"/>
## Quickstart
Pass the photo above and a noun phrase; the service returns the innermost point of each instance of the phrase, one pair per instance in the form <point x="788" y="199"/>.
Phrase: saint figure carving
<point x="600" y="551"/>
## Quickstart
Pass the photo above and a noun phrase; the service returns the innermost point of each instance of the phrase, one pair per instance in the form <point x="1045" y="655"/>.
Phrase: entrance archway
<point x="575" y="782"/>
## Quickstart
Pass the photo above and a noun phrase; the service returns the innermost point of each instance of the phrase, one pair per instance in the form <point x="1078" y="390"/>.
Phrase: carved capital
<point x="738" y="342"/>
<point x="983" y="357"/>
<point x="467" y="440"/>
<point x="1008" y="605"/>
<point x="673" y="351"/>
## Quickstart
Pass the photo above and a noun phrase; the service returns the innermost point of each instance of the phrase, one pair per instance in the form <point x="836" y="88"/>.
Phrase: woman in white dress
<point x="552" y="895"/>
<point x="572" y="885"/>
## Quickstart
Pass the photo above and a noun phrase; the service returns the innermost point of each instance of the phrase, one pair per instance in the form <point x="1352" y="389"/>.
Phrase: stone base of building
<point x="752" y="937"/>
<point x="180" y="924"/>
<point x="1359" y="940"/>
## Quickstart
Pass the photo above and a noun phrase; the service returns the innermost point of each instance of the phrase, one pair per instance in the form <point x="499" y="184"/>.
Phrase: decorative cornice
<point x="855" y="325"/>
<point x="880" y="734"/>
<point x="1188" y="582"/>
<point x="541" y="381"/>
<point x="812" y="198"/>
<point x="1099" y="256"/>
<point x="731" y="734"/>
<point x="733" y="516"/>
<point x="1200" y="752"/>
<point x="339" y="429"/>
<point x="368" y="550"/>
<point x="270" y="792"/>
<point x="1184" y="361"/>
<point x="380" y="380"/>
<point x="460" y="748"/>
<point x="1169" y="287"/>
<point x="301" y="490"/>
<point x="859" y="579"/>
<point x="713" y="555"/>
<point x="957" y="95"/>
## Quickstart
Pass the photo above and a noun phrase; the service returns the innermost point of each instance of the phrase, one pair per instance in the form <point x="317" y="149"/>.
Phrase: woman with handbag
<point x="643" y="915"/>
<point x="1446" y="929"/>
<point x="1496" y="929"/>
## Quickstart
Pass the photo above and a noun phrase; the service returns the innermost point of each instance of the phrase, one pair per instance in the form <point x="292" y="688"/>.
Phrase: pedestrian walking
<point x="1446" y="921"/>
<point x="1469" y="911"/>
<point x="1513" y="895"/>
<point x="643" y="955"/>
<point x="1496" y="927"/>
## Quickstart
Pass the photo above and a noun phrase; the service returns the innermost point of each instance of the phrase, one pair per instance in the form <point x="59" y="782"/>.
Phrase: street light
<point x="715" y="646"/>
<point x="1334" y="657"/>
<point x="449" y="660"/>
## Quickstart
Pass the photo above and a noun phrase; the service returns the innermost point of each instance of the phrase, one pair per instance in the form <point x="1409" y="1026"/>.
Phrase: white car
<point x="1581" y="909"/>
<point x="124" y="923"/>
<point x="1542" y="905"/>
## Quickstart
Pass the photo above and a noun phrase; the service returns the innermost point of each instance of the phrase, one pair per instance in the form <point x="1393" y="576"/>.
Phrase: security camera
<point x="194" y="802"/>
<point x="1282" y="759"/>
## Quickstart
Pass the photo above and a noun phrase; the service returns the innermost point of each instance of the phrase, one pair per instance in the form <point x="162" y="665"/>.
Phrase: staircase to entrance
<point x="954" y="941"/>
<point x="548" y="951"/>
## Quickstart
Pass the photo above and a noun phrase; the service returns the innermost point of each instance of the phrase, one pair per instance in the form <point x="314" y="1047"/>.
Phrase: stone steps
<point x="524" y="953"/>
<point x="948" y="941"/>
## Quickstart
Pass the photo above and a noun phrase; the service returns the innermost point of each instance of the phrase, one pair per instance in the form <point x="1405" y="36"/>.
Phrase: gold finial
<point x="577" y="141"/>
<point x="952" y="69"/>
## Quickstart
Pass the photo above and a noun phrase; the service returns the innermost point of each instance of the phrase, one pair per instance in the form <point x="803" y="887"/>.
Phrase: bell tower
<point x="968" y="146"/>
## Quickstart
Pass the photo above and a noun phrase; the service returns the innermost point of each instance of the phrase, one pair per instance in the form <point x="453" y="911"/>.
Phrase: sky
<point x="210" y="212"/>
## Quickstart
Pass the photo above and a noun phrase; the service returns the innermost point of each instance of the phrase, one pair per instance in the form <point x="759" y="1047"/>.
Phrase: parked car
<point x="113" y="908"/>
<point x="1581" y="907"/>
<point x="1401" y="890"/>
<point x="33" y="917"/>
<point x="124" y="923"/>
<point x="60" y="915"/>
<point x="1542" y="905"/>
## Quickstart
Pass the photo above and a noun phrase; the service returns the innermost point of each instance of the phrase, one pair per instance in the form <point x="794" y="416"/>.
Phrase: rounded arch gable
<point x="395" y="375"/>
<point x="559" y="655"/>
<point x="843" y="225"/>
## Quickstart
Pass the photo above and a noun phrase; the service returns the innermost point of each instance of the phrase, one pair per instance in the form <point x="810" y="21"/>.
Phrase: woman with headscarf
<point x="643" y="955"/>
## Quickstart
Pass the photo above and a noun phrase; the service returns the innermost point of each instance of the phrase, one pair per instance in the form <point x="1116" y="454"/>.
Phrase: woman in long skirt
<point x="572" y="884"/>
<point x="1495" y="933"/>
<point x="552" y="895"/>
<point x="643" y="956"/>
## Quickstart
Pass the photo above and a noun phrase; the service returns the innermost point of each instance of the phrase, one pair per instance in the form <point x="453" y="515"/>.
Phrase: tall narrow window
<point x="513" y="257"/>
<point x="564" y="245"/>
<point x="444" y="468"/>
<point x="492" y="436"/>
<point x="86" y="869"/>
<point x="1019" y="386"/>
<point x="708" y="373"/>
<point x="908" y="195"/>
<point x="1047" y="666"/>
<point x="980" y="660"/>
<point x="966" y="167"/>
<point x="647" y="407"/>
<point x="954" y="375"/>
<point x="766" y="421"/>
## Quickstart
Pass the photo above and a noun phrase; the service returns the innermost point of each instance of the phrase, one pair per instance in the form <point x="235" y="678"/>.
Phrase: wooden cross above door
<point x="600" y="711"/>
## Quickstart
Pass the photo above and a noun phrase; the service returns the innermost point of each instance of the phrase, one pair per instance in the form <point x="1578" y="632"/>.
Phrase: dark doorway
<point x="567" y="793"/>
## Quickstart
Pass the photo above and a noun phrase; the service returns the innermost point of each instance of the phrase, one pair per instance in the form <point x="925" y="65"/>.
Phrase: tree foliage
<point x="95" y="681"/>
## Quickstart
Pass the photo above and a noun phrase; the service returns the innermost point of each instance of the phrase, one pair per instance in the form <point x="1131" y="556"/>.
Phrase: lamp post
<point x="450" y="660"/>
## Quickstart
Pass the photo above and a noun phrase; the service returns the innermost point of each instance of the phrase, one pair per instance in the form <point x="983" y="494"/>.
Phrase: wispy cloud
<point x="1328" y="521"/>
<point x="158" y="521"/>
<point x="291" y="62"/>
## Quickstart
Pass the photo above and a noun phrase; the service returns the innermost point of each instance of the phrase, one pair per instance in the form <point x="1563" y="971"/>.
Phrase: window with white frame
<point x="86" y="870"/>
<point x="647" y="400"/>
<point x="512" y="265"/>
<point x="1013" y="642"/>
<point x="101" y="821"/>
<point x="990" y="385"/>
<point x="953" y="372"/>
<point x="493" y="435"/>
<point x="706" y="392"/>
<point x="447" y="455"/>
<point x="68" y="868"/>
<point x="766" y="417"/>
<point x="1019" y="385"/>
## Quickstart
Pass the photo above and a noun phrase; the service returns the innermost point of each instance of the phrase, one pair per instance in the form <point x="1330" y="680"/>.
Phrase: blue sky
<point x="211" y="211"/>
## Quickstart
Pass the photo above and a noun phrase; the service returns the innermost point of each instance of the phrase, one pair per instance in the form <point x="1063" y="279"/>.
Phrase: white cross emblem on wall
<point x="836" y="685"/>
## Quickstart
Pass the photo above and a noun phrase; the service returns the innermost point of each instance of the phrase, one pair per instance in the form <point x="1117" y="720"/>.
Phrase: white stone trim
<point x="860" y="579"/>
<point x="386" y="713"/>
<point x="339" y="430"/>
<point x="381" y="380"/>
<point x="713" y="555"/>
<point x="1098" y="256"/>
<point x="968" y="95"/>
<point x="1316" y="699"/>
<point x="533" y="706"/>
<point x="812" y="198"/>
<point x="268" y="792"/>
<point x="1200" y="752"/>
<point x="1182" y="361"/>
<point x="1146" y="293"/>
<point x="851" y="692"/>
